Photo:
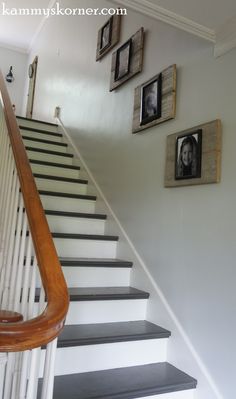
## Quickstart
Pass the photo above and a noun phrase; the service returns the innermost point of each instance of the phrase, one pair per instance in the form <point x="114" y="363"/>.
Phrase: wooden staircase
<point x="107" y="349"/>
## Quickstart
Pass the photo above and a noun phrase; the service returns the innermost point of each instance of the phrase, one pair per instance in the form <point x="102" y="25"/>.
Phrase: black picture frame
<point x="106" y="34"/>
<point x="188" y="155"/>
<point x="151" y="98"/>
<point x="123" y="57"/>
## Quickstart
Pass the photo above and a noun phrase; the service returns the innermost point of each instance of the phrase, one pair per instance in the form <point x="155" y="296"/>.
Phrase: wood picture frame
<point x="132" y="53"/>
<point x="167" y="97"/>
<point x="203" y="165"/>
<point x="108" y="36"/>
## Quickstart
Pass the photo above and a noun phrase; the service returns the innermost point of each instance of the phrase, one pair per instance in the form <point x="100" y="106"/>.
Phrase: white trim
<point x="174" y="318"/>
<point x="225" y="37"/>
<point x="40" y="27"/>
<point x="169" y="17"/>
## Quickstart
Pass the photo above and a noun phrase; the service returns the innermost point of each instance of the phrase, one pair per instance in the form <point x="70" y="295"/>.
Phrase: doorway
<point x="32" y="80"/>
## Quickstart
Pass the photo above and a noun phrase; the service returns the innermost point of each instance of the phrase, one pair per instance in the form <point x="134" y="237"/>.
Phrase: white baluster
<point x="48" y="375"/>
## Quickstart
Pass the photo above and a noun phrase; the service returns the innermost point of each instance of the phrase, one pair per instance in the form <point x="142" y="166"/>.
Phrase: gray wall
<point x="185" y="236"/>
<point x="19" y="62"/>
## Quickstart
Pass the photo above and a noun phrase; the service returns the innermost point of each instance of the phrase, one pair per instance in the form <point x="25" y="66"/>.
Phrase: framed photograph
<point x="155" y="100"/>
<point x="151" y="101"/>
<point x="127" y="60"/>
<point x="188" y="155"/>
<point x="108" y="36"/>
<point x="194" y="156"/>
<point x="123" y="60"/>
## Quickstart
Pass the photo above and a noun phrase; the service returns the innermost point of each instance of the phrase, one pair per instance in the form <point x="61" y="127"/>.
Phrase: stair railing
<point x="31" y="279"/>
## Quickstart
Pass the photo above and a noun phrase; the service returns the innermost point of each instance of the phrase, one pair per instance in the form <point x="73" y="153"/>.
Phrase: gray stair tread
<point x="50" y="142"/>
<point x="102" y="293"/>
<point x="73" y="236"/>
<point x="106" y="293"/>
<point x="50" y="152"/>
<point x="123" y="383"/>
<point x="67" y="195"/>
<point x="59" y="178"/>
<point x="94" y="262"/>
<point x="91" y="334"/>
<point x="76" y="214"/>
<point x="57" y="165"/>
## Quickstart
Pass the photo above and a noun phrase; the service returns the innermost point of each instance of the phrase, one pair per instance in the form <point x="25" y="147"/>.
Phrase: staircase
<point x="107" y="349"/>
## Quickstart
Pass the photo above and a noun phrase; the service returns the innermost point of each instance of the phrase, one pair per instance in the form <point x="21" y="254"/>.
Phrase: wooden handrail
<point x="39" y="331"/>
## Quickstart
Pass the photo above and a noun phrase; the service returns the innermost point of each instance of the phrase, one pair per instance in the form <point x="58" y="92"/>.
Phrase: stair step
<point x="39" y="144"/>
<point x="101" y="333"/>
<point x="125" y="383"/>
<point x="67" y="195"/>
<point x="106" y="293"/>
<point x="49" y="152"/>
<point x="36" y="121"/>
<point x="54" y="164"/>
<point x="76" y="214"/>
<point x="59" y="178"/>
<point x="34" y="129"/>
<point x="37" y="140"/>
<point x="91" y="262"/>
<point x="97" y="237"/>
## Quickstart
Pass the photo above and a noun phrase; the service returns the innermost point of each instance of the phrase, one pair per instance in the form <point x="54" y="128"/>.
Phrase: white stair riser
<point x="96" y="276"/>
<point x="45" y="146"/>
<point x="38" y="125"/>
<point x="81" y="359"/>
<point x="40" y="156"/>
<point x="63" y="224"/>
<point x="67" y="204"/>
<point x="61" y="186"/>
<point x="88" y="312"/>
<point x="41" y="136"/>
<point x="54" y="171"/>
<point x="188" y="394"/>
<point x="85" y="248"/>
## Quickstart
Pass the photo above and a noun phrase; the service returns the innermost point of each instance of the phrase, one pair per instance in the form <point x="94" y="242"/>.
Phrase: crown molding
<point x="10" y="47"/>
<point x="225" y="37"/>
<point x="161" y="14"/>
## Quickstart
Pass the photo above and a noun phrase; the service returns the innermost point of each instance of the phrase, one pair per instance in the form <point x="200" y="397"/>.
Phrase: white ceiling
<point x="204" y="18"/>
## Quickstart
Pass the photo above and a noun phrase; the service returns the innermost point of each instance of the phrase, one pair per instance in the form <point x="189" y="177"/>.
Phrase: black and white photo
<point x="151" y="101"/>
<point x="106" y="35"/>
<point x="123" y="60"/>
<point x="188" y="155"/>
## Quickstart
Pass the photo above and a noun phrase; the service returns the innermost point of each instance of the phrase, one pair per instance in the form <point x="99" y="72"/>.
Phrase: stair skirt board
<point x="75" y="225"/>
<point x="49" y="157"/>
<point x="55" y="171"/>
<point x="85" y="248"/>
<point x="87" y="312"/>
<point x="61" y="186"/>
<point x="67" y="204"/>
<point x="82" y="359"/>
<point x="96" y="277"/>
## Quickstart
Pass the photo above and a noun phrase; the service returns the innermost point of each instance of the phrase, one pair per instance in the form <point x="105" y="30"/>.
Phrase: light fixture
<point x="10" y="77"/>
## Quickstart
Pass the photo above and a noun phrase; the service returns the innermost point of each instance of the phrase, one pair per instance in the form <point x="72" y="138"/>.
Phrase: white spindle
<point x="48" y="375"/>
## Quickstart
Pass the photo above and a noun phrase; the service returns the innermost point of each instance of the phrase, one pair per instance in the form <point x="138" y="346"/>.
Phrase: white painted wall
<point x="19" y="62"/>
<point x="185" y="236"/>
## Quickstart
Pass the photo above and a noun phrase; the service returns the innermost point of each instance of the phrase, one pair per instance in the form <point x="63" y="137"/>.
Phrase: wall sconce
<point x="9" y="76"/>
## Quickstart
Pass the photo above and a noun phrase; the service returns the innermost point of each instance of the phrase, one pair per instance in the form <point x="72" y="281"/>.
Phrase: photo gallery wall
<point x="193" y="156"/>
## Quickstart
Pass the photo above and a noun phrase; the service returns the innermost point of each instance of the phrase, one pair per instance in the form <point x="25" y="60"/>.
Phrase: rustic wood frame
<point x="168" y="100"/>
<point x="136" y="60"/>
<point x="210" y="156"/>
<point x="114" y="23"/>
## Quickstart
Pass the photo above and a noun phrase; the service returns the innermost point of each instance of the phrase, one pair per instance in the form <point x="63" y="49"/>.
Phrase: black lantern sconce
<point x="9" y="76"/>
